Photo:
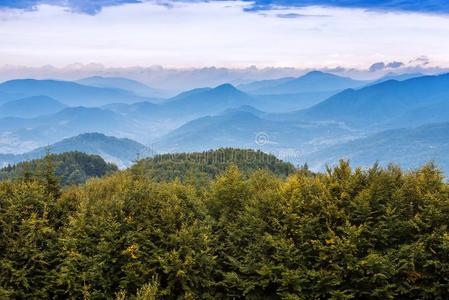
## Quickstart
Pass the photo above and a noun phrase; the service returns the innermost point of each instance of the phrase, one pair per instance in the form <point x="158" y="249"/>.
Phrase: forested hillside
<point x="119" y="151"/>
<point x="70" y="167"/>
<point x="209" y="164"/>
<point x="344" y="234"/>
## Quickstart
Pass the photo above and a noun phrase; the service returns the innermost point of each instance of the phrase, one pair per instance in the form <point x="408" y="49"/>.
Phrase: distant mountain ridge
<point x="312" y="82"/>
<point x="68" y="122"/>
<point x="202" y="102"/>
<point x="134" y="86"/>
<point x="31" y="107"/>
<point x="189" y="93"/>
<point x="210" y="101"/>
<point x="186" y="106"/>
<point x="247" y="128"/>
<point x="397" y="77"/>
<point x="378" y="105"/>
<point x="67" y="92"/>
<point x="410" y="148"/>
<point x="255" y="86"/>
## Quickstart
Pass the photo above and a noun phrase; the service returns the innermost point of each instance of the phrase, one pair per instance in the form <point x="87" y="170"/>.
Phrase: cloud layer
<point x="424" y="6"/>
<point x="219" y="33"/>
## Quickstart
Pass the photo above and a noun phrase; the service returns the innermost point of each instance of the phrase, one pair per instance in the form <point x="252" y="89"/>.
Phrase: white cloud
<point x="220" y="34"/>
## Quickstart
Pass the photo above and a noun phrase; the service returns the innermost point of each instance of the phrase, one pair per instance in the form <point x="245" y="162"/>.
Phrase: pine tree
<point x="48" y="175"/>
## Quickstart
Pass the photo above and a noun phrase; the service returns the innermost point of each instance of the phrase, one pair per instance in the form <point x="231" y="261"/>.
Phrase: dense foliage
<point x="209" y="164"/>
<point x="71" y="167"/>
<point x="345" y="234"/>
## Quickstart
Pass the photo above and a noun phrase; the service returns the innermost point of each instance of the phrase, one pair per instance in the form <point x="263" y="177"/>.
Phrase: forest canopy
<point x="380" y="233"/>
<point x="209" y="164"/>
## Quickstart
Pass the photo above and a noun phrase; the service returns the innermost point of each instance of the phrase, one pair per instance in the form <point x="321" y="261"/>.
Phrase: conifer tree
<point x="48" y="175"/>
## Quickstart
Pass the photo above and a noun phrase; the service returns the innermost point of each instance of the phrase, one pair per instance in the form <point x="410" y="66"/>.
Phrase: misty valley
<point x="314" y="119"/>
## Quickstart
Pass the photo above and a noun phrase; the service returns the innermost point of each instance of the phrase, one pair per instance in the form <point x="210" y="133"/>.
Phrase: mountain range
<point x="30" y="133"/>
<point x="69" y="93"/>
<point x="185" y="107"/>
<point x="309" y="117"/>
<point x="381" y="105"/>
<point x="311" y="82"/>
<point x="246" y="127"/>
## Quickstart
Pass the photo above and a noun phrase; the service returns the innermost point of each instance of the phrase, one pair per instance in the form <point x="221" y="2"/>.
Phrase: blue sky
<point x="81" y="6"/>
<point x="175" y="33"/>
<point x="94" y="6"/>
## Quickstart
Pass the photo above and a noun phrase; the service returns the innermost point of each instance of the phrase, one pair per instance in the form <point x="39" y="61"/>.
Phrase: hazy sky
<point x="222" y="33"/>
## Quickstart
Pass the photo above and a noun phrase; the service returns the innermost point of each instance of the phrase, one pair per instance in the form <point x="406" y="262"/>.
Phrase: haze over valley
<point x="316" y="118"/>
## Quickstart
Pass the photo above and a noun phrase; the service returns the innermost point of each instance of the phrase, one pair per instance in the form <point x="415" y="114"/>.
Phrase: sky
<point x="373" y="34"/>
